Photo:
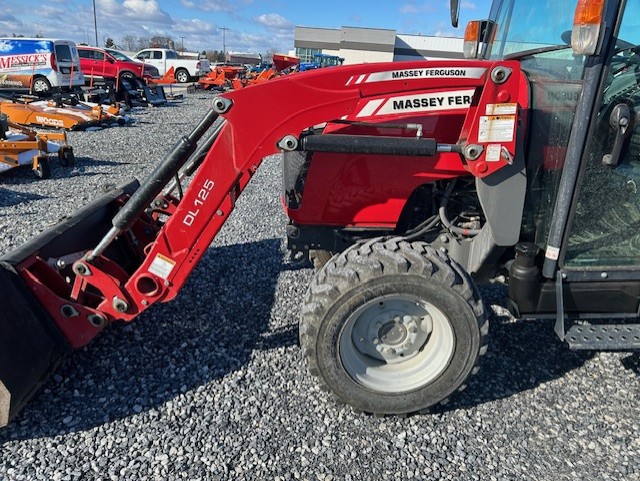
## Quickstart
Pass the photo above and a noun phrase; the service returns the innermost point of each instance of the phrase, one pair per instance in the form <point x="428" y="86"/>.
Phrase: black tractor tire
<point x="43" y="168"/>
<point x="320" y="257"/>
<point x="182" y="76"/>
<point x="40" y="85"/>
<point x="66" y="156"/>
<point x="392" y="327"/>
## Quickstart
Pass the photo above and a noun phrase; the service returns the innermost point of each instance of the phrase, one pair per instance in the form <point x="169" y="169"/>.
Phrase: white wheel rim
<point x="39" y="86"/>
<point x="396" y="344"/>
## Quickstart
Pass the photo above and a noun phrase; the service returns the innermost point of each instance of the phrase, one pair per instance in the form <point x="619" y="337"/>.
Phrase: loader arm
<point x="137" y="246"/>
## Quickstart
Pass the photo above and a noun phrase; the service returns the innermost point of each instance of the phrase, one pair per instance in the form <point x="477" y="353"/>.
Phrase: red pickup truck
<point x="105" y="63"/>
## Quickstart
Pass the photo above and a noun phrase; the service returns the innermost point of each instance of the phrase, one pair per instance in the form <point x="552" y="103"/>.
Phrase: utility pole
<point x="224" y="41"/>
<point x="182" y="38"/>
<point x="95" y="22"/>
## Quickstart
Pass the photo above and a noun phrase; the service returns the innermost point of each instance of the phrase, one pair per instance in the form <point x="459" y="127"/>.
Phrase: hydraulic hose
<point x="442" y="212"/>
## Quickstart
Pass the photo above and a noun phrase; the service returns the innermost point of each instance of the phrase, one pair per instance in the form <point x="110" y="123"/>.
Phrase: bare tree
<point x="215" y="55"/>
<point x="161" y="41"/>
<point x="143" y="42"/>
<point x="268" y="55"/>
<point x="129" y="42"/>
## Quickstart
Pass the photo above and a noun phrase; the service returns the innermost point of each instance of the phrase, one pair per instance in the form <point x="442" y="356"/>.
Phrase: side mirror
<point x="455" y="12"/>
<point x="111" y="59"/>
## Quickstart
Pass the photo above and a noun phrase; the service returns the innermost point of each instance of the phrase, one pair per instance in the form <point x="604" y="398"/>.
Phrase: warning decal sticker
<point x="496" y="128"/>
<point x="162" y="266"/>
<point x="502" y="109"/>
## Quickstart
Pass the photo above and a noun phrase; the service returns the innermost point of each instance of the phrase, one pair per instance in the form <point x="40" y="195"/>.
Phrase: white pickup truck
<point x="185" y="69"/>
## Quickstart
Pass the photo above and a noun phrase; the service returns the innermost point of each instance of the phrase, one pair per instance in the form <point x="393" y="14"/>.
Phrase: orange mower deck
<point x="52" y="114"/>
<point x="22" y="146"/>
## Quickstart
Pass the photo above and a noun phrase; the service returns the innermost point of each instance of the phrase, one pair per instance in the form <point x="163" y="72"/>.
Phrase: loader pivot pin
<point x="81" y="269"/>
<point x="120" y="305"/>
<point x="221" y="105"/>
<point x="288" y="143"/>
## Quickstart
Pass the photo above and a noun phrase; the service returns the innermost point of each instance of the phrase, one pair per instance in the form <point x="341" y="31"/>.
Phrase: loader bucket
<point x="31" y="343"/>
<point x="31" y="346"/>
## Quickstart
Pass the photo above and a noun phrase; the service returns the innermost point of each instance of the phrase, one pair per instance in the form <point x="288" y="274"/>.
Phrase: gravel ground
<point x="213" y="385"/>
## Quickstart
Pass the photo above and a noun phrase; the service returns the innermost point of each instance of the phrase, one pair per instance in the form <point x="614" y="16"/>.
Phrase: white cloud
<point x="209" y="6"/>
<point x="274" y="21"/>
<point x="145" y="11"/>
<point x="10" y="24"/>
<point x="5" y="46"/>
<point x="193" y="26"/>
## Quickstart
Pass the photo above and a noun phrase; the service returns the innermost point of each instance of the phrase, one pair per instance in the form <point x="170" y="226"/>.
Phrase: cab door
<point x="102" y="64"/>
<point x="599" y="259"/>
<point x="152" y="57"/>
<point x="93" y="63"/>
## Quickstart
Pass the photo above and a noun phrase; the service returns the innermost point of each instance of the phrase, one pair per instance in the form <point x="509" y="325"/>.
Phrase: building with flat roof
<point x="366" y="45"/>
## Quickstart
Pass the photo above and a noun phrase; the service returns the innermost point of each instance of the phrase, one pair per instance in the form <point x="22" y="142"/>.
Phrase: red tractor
<point x="407" y="184"/>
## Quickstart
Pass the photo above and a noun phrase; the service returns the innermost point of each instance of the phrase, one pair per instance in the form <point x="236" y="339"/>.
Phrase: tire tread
<point x="368" y="260"/>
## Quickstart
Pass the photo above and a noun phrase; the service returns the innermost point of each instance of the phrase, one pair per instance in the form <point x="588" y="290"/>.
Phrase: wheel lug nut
<point x="390" y="351"/>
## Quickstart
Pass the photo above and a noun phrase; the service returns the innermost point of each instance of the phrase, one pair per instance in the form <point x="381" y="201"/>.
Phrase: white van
<point x="39" y="64"/>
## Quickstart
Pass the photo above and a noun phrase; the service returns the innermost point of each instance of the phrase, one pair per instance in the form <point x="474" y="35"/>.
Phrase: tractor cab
<point x="581" y="217"/>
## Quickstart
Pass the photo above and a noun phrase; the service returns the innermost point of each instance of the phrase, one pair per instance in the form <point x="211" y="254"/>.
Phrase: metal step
<point x="604" y="337"/>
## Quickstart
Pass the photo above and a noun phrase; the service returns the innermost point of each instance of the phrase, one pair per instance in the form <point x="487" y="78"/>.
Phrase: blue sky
<point x="253" y="25"/>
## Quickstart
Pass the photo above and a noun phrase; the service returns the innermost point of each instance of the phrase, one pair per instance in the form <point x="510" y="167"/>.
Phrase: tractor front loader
<point x="408" y="184"/>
